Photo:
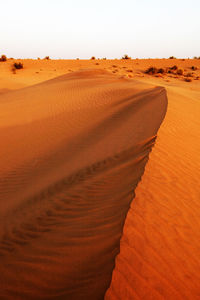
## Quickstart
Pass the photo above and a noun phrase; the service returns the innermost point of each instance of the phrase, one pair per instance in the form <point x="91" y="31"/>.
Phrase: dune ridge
<point x="74" y="149"/>
<point x="160" y="245"/>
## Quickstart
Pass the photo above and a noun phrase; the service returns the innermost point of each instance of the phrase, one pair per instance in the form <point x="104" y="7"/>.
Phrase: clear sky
<point x="105" y="28"/>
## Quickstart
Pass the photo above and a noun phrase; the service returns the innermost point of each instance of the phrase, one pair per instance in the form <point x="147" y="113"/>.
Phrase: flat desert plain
<point x="99" y="179"/>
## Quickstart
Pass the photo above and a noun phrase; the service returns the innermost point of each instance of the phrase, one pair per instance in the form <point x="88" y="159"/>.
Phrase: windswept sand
<point x="73" y="150"/>
<point x="160" y="245"/>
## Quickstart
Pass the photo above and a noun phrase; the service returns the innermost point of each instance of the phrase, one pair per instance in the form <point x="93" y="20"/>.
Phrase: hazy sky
<point x="105" y="28"/>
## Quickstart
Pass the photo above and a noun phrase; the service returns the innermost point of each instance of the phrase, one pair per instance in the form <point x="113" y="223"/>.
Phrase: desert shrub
<point x="179" y="72"/>
<point x="151" y="71"/>
<point x="174" y="68"/>
<point x="47" y="57"/>
<point x="18" y="65"/>
<point x="194" y="68"/>
<point x="129" y="70"/>
<point x="3" y="58"/>
<point x="161" y="71"/>
<point x="126" y="57"/>
<point x="172" y="57"/>
<point x="187" y="79"/>
<point x="92" y="58"/>
<point x="189" y="75"/>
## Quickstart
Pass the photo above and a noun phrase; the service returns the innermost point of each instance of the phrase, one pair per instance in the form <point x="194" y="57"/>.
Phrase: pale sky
<point x="105" y="28"/>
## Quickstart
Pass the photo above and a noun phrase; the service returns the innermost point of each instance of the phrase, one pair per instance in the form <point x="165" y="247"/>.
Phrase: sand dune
<point x="160" y="247"/>
<point x="73" y="150"/>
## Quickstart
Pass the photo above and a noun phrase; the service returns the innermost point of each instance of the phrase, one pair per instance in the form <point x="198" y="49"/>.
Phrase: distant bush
<point x="194" y="68"/>
<point x="188" y="79"/>
<point x="161" y="71"/>
<point x="93" y="57"/>
<point x="3" y="58"/>
<point x="174" y="68"/>
<point x="189" y="75"/>
<point x="179" y="72"/>
<point x="126" y="57"/>
<point x="104" y="58"/>
<point x="18" y="65"/>
<point x="151" y="71"/>
<point x="47" y="57"/>
<point x="172" y="57"/>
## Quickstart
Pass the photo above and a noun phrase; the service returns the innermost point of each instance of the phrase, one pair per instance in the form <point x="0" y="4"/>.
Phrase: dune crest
<point x="74" y="149"/>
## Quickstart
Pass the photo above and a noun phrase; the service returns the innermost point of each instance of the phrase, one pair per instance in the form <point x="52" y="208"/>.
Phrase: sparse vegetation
<point x="174" y="68"/>
<point x="194" y="68"/>
<point x="189" y="75"/>
<point x="47" y="57"/>
<point x="161" y="71"/>
<point x="179" y="72"/>
<point x="126" y="57"/>
<point x="151" y="71"/>
<point x="93" y="58"/>
<point x="18" y="65"/>
<point x="3" y="58"/>
<point x="172" y="57"/>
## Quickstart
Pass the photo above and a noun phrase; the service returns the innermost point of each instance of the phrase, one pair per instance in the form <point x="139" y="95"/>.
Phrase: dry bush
<point x="93" y="57"/>
<point x="179" y="72"/>
<point x="189" y="75"/>
<point x="3" y="58"/>
<point x="174" y="68"/>
<point x="151" y="71"/>
<point x="194" y="68"/>
<point x="161" y="71"/>
<point x="18" y="65"/>
<point x="126" y="57"/>
<point x="172" y="57"/>
<point x="47" y="57"/>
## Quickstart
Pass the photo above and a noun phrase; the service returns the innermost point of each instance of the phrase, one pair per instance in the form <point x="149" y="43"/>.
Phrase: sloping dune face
<point x="160" y="246"/>
<point x="72" y="152"/>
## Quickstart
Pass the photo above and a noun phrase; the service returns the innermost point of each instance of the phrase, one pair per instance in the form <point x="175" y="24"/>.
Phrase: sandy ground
<point x="160" y="244"/>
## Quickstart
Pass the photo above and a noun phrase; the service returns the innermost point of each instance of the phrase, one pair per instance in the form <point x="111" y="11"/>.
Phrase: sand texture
<point x="73" y="150"/>
<point x="160" y="248"/>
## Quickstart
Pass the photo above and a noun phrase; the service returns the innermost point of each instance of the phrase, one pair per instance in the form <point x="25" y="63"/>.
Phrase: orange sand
<point x="88" y="151"/>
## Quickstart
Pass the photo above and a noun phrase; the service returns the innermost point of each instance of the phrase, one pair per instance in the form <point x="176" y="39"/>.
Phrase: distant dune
<point x="73" y="150"/>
